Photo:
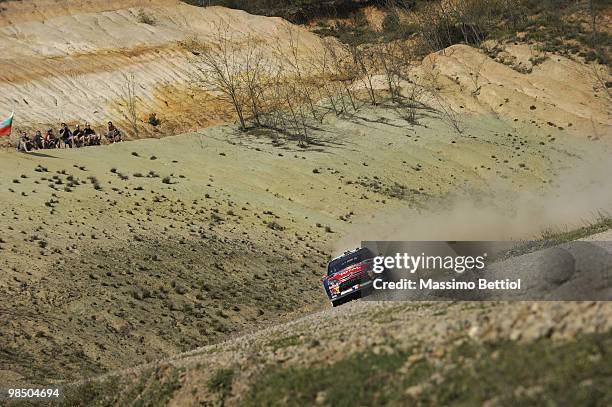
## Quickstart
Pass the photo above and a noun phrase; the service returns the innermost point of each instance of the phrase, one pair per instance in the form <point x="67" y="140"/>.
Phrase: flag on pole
<point x="6" y="126"/>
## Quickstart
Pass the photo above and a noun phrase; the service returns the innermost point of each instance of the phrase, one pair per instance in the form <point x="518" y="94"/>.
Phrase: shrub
<point x="221" y="382"/>
<point x="153" y="120"/>
<point x="275" y="226"/>
<point x="537" y="60"/>
<point x="469" y="21"/>
<point x="394" y="28"/>
<point x="296" y="11"/>
<point x="145" y="18"/>
<point x="391" y="22"/>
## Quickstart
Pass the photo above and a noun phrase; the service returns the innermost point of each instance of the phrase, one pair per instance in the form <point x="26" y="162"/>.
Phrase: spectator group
<point x="67" y="138"/>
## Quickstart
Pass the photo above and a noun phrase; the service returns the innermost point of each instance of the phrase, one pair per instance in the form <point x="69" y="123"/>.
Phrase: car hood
<point x="352" y="269"/>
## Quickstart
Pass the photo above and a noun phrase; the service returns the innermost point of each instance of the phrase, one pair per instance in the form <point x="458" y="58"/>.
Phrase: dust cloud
<point x="575" y="197"/>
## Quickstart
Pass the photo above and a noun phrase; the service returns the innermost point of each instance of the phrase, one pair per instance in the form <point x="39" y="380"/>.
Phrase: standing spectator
<point x="66" y="136"/>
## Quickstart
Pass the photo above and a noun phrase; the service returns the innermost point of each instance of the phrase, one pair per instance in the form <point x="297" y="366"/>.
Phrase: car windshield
<point x="348" y="260"/>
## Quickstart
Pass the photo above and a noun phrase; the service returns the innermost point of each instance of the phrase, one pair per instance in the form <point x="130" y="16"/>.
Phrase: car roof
<point x="347" y="253"/>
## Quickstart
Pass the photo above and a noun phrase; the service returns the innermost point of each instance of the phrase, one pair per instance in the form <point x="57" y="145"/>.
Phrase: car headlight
<point x="334" y="286"/>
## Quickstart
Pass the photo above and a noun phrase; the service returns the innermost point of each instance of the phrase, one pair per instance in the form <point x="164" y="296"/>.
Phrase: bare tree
<point x="364" y="61"/>
<point x="220" y="68"/>
<point x="255" y="77"/>
<point x="412" y="101"/>
<point x="295" y="67"/>
<point x="393" y="63"/>
<point x="326" y="88"/>
<point x="330" y="80"/>
<point x="291" y="106"/>
<point x="344" y="72"/>
<point x="129" y="102"/>
<point x="444" y="108"/>
<point x="602" y="74"/>
<point x="435" y="27"/>
<point x="475" y="76"/>
<point x="448" y="113"/>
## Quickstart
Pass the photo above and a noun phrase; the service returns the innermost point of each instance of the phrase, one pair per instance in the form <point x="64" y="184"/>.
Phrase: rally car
<point x="349" y="275"/>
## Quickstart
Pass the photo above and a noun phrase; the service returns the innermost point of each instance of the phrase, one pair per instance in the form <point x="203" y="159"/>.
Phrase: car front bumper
<point x="355" y="288"/>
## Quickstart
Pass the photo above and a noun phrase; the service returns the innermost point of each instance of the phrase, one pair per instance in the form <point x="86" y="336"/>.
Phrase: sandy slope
<point x="40" y="10"/>
<point x="556" y="92"/>
<point x="235" y="237"/>
<point x="65" y="61"/>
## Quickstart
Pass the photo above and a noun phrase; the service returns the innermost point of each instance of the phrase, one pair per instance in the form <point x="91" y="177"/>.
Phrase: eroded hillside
<point x="67" y="60"/>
